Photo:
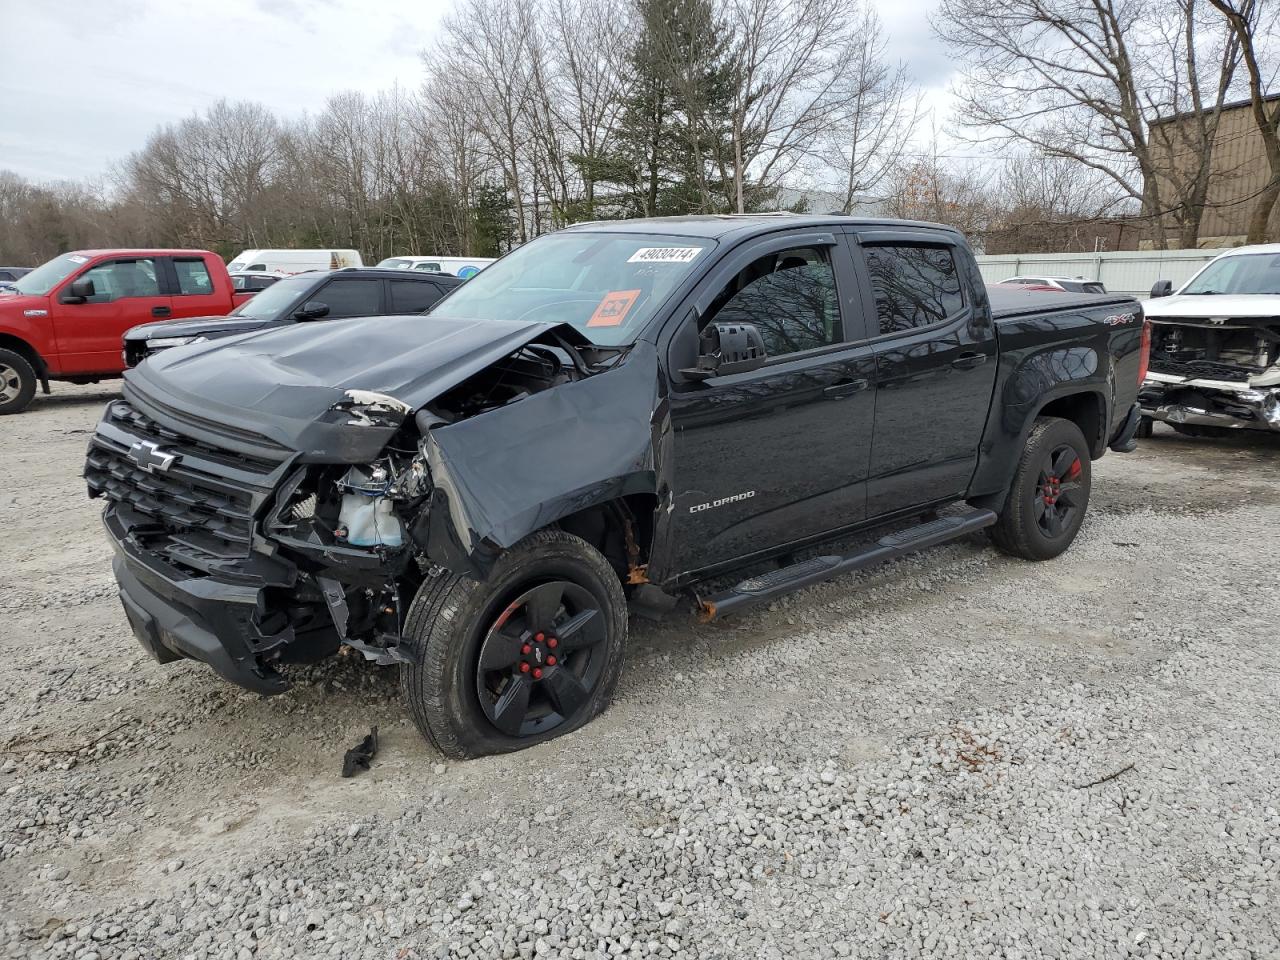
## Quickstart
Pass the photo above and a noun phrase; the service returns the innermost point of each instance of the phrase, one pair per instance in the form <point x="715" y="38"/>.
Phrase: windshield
<point x="1245" y="273"/>
<point x="607" y="285"/>
<point x="47" y="276"/>
<point x="272" y="302"/>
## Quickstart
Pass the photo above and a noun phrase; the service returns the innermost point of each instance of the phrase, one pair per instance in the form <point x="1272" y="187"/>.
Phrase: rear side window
<point x="1094" y="288"/>
<point x="915" y="286"/>
<point x="351" y="298"/>
<point x="193" y="277"/>
<point x="413" y="296"/>
<point x="428" y="267"/>
<point x="790" y="297"/>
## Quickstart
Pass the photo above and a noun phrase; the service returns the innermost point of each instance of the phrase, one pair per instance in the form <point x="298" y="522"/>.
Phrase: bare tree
<point x="1083" y="80"/>
<point x="490" y="46"/>
<point x="1249" y="24"/>
<point x="876" y="116"/>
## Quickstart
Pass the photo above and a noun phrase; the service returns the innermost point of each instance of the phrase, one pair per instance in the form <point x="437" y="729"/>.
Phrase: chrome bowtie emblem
<point x="150" y="457"/>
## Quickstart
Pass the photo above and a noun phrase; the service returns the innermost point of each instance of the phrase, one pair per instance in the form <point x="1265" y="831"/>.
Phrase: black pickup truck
<point x="610" y="411"/>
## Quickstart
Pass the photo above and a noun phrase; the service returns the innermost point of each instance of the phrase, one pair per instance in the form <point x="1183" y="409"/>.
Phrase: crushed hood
<point x="280" y="383"/>
<point x="1206" y="307"/>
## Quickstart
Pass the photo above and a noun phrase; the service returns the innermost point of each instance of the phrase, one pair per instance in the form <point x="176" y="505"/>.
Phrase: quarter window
<point x="351" y="298"/>
<point x="412" y="296"/>
<point x="193" y="277"/>
<point x="121" y="279"/>
<point x="915" y="286"/>
<point x="790" y="297"/>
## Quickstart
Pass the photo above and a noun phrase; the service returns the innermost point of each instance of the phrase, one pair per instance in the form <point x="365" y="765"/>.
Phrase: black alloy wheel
<point x="541" y="660"/>
<point x="1057" y="491"/>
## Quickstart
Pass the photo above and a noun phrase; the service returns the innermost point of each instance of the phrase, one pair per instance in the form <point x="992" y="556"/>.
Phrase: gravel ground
<point x="897" y="764"/>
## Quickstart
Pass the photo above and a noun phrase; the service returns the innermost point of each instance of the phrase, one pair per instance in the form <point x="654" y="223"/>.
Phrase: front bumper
<point x="204" y="618"/>
<point x="1210" y="403"/>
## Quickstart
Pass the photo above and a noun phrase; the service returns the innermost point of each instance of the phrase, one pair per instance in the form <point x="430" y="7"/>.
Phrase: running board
<point x="777" y="583"/>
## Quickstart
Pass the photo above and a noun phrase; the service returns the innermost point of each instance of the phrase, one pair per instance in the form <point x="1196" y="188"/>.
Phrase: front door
<point x="935" y="358"/>
<point x="770" y="457"/>
<point x="126" y="292"/>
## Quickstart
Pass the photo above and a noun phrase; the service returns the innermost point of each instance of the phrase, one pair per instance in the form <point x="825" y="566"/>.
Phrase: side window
<point x="413" y="296"/>
<point x="121" y="279"/>
<point x="351" y="298"/>
<point x="193" y="277"/>
<point x="790" y="297"/>
<point x="256" y="266"/>
<point x="428" y="267"/>
<point x="914" y="286"/>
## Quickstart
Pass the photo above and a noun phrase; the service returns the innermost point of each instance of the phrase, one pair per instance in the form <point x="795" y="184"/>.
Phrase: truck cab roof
<point x="738" y="225"/>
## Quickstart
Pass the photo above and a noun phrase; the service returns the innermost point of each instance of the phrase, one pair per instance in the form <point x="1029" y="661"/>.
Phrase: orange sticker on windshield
<point x="613" y="308"/>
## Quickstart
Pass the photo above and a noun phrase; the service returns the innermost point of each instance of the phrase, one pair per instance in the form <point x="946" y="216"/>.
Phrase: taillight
<point x="1144" y="352"/>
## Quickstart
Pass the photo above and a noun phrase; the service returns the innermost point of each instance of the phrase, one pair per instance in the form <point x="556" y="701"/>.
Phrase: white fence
<point x="1126" y="271"/>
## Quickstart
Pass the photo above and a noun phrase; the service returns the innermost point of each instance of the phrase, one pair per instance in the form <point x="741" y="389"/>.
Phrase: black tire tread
<point x="438" y="620"/>
<point x="1011" y="533"/>
<point x="28" y="374"/>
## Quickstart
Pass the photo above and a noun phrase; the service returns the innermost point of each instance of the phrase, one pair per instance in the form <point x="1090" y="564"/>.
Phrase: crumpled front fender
<point x="507" y="473"/>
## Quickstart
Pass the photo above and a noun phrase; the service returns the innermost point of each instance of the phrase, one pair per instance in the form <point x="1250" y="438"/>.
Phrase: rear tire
<point x="17" y="382"/>
<point x="531" y="653"/>
<point x="1049" y="495"/>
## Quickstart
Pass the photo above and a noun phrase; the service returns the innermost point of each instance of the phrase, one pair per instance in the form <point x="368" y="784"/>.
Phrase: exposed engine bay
<point x="361" y="533"/>
<point x="1214" y="373"/>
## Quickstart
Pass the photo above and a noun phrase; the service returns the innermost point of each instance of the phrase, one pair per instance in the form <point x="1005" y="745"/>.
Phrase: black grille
<point x="199" y="510"/>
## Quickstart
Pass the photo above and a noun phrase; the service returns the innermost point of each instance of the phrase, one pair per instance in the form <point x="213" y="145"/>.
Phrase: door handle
<point x="967" y="361"/>
<point x="845" y="388"/>
<point x="160" y="311"/>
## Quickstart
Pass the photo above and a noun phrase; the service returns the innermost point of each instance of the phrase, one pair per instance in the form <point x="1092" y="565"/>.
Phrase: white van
<point x="463" y="267"/>
<point x="294" y="261"/>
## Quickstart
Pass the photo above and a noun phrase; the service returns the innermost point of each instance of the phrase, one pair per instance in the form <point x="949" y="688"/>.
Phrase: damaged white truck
<point x="1215" y="347"/>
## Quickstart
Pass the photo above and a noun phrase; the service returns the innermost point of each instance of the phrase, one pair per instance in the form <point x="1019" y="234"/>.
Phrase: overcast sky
<point x="83" y="82"/>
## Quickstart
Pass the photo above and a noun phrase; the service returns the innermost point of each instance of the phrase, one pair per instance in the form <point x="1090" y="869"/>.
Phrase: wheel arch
<point x="29" y="353"/>
<point x="622" y="529"/>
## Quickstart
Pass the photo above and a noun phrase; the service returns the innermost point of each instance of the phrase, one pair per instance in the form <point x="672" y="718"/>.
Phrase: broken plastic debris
<point x="358" y="757"/>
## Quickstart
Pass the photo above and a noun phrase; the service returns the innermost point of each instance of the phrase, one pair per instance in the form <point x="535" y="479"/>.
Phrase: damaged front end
<point x="1214" y="372"/>
<point x="249" y="553"/>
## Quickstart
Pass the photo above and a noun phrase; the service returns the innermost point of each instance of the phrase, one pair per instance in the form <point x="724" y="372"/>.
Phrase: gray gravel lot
<point x="891" y="765"/>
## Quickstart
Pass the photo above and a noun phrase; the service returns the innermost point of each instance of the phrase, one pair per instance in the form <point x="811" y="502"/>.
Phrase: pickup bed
<point x="64" y="320"/>
<point x="618" y="411"/>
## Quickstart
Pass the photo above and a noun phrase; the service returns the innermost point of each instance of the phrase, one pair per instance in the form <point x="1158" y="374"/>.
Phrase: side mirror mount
<point x="1162" y="288"/>
<point x="311" y="310"/>
<point x="728" y="348"/>
<point x="79" y="291"/>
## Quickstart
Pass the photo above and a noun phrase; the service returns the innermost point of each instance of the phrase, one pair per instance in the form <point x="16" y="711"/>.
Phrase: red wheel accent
<point x="524" y="667"/>
<point x="526" y="649"/>
<point x="553" y="643"/>
<point x="1075" y="469"/>
<point x="551" y="661"/>
<point x="537" y="673"/>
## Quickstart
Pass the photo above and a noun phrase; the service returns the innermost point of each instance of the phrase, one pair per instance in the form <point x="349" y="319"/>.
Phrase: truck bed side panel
<point x="1053" y="348"/>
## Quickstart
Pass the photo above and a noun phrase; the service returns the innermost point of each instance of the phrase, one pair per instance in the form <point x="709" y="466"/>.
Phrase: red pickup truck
<point x="65" y="319"/>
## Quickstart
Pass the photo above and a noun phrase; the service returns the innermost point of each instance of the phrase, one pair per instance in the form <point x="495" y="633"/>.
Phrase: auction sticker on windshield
<point x="665" y="255"/>
<point x="613" y="308"/>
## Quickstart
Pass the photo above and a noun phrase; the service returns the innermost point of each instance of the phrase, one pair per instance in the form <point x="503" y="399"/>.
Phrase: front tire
<point x="17" y="382"/>
<point x="532" y="652"/>
<point x="1049" y="494"/>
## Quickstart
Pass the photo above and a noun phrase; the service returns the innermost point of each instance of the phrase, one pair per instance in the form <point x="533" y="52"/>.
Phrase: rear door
<point x="777" y="455"/>
<point x="935" y="353"/>
<point x="412" y="296"/>
<point x="193" y="290"/>
<point x="127" y="291"/>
